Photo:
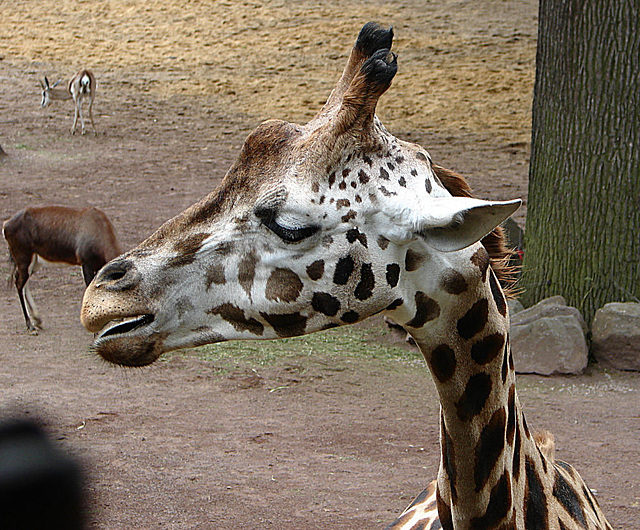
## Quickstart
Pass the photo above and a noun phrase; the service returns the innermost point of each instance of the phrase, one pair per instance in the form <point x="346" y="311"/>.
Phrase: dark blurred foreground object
<point x="2" y="153"/>
<point x="40" y="486"/>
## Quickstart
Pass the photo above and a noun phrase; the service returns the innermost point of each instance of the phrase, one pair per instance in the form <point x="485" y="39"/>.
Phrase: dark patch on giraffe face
<point x="568" y="498"/>
<point x="474" y="320"/>
<point x="487" y="349"/>
<point x="364" y="289"/>
<point x="345" y="172"/>
<point x="326" y="304"/>
<point x="421" y="156"/>
<point x="214" y="274"/>
<point x="499" y="506"/>
<point x="187" y="249"/>
<point x="413" y="260"/>
<point x="343" y="271"/>
<point x="351" y="214"/>
<point x="247" y="271"/>
<point x="287" y="325"/>
<point x="448" y="458"/>
<point x="386" y="192"/>
<point x="283" y="285"/>
<point x="511" y="411"/>
<point x="316" y="270"/>
<point x="511" y="367"/>
<point x="350" y="317"/>
<point x="342" y="203"/>
<point x="393" y="274"/>
<point x="489" y="448"/>
<point x="474" y="397"/>
<point x="402" y="182"/>
<point x="235" y="316"/>
<point x="395" y="304"/>
<point x="183" y="305"/>
<point x="383" y="242"/>
<point x="426" y="309"/>
<point x="427" y="185"/>
<point x="391" y="166"/>
<point x="354" y="234"/>
<point x="536" y="514"/>
<point x="367" y="160"/>
<point x="315" y="187"/>
<point x="384" y="174"/>
<point x="481" y="260"/>
<point x="224" y="249"/>
<point x="443" y="362"/>
<point x="453" y="282"/>
<point x="444" y="512"/>
<point x="498" y="296"/>
<point x="332" y="179"/>
<point x="342" y="185"/>
<point x="363" y="177"/>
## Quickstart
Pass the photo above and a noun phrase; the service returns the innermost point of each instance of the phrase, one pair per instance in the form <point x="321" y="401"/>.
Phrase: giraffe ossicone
<point x="326" y="224"/>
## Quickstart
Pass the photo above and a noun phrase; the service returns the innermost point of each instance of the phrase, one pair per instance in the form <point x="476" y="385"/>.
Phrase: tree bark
<point x="582" y="236"/>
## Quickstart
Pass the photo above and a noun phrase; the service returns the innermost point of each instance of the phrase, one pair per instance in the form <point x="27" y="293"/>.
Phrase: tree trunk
<point x="582" y="236"/>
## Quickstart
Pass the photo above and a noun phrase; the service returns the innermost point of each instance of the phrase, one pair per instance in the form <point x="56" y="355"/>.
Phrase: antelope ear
<point x="46" y="82"/>
<point x="454" y="223"/>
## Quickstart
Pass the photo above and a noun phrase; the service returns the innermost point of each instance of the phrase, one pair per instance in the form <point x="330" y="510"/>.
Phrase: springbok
<point x="57" y="234"/>
<point x="81" y="85"/>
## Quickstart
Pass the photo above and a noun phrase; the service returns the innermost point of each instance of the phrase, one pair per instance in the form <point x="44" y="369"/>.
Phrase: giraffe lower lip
<point x="126" y="326"/>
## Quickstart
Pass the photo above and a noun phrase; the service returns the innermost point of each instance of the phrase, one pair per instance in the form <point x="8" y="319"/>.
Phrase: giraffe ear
<point x="454" y="223"/>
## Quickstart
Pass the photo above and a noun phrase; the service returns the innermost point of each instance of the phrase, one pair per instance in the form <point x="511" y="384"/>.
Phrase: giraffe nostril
<point x="119" y="274"/>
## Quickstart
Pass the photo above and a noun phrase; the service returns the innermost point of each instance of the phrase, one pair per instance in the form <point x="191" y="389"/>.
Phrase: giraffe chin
<point x="130" y="342"/>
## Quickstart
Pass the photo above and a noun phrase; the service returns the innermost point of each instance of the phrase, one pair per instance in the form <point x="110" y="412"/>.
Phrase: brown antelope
<point x="57" y="234"/>
<point x="81" y="86"/>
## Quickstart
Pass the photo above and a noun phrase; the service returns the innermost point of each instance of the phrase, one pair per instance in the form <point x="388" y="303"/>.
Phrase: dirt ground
<point x="311" y="442"/>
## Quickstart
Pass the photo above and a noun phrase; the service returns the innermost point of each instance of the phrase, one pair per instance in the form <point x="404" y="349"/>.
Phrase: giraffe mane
<point x="546" y="443"/>
<point x="495" y="242"/>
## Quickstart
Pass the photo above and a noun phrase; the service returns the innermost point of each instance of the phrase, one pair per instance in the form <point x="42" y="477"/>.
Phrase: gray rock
<point x="549" y="308"/>
<point x="514" y="306"/>
<point x="615" y="335"/>
<point x="549" y="338"/>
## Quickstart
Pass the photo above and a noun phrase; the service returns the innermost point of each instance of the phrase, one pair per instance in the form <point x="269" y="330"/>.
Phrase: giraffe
<point x="326" y="224"/>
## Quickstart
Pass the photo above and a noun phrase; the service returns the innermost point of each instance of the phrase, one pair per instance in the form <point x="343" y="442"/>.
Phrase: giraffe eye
<point x="289" y="234"/>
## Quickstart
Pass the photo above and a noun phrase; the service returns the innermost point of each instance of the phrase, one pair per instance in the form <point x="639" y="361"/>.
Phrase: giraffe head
<point x="313" y="227"/>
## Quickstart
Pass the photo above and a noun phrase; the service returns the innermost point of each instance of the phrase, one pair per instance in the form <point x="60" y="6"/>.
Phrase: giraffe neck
<point x="486" y="448"/>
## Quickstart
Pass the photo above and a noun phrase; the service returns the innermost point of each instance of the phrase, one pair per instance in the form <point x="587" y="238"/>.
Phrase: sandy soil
<point x="341" y="442"/>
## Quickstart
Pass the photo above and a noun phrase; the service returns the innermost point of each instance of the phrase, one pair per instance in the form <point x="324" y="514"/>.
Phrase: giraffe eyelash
<point x="288" y="234"/>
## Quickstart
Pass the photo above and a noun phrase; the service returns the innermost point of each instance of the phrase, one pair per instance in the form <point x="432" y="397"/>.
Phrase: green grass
<point x="347" y="341"/>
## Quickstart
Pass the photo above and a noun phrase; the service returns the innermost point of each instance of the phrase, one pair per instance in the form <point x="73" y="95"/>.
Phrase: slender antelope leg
<point x="75" y="120"/>
<point x="22" y="275"/>
<point x="31" y="306"/>
<point x="80" y="112"/>
<point x="91" y="115"/>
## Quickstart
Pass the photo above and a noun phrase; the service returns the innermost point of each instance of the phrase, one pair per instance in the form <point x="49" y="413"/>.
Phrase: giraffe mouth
<point x="125" y="326"/>
<point x="130" y="341"/>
